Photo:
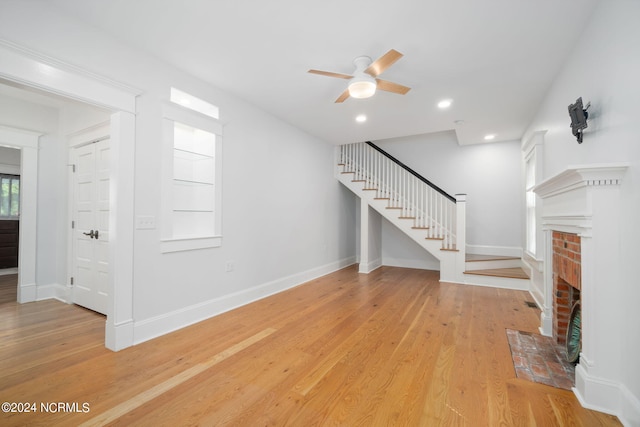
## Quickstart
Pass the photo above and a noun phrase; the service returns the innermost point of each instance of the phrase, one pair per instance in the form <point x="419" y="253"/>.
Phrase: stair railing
<point x="415" y="197"/>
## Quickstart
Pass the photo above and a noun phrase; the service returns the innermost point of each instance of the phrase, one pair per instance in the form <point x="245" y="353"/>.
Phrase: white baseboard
<point x="53" y="291"/>
<point x="5" y="271"/>
<point x="27" y="293"/>
<point x="368" y="267"/>
<point x="606" y="396"/>
<point x="147" y="329"/>
<point x="629" y="408"/>
<point x="120" y="336"/>
<point x="546" y="325"/>
<point x="512" y="251"/>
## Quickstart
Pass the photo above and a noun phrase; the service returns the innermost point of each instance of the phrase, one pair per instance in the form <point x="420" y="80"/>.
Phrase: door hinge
<point x="73" y="224"/>
<point x="73" y="168"/>
<point x="71" y="281"/>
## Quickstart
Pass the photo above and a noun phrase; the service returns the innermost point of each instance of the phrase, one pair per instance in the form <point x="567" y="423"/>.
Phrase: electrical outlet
<point x="229" y="266"/>
<point x="145" y="222"/>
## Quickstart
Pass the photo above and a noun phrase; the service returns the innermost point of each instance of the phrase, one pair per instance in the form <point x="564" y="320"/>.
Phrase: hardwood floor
<point x="8" y="288"/>
<point x="394" y="347"/>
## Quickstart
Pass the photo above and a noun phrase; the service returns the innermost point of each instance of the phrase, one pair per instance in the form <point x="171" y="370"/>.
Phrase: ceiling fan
<point x="364" y="82"/>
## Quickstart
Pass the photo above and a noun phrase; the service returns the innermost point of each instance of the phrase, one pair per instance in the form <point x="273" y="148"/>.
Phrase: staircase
<point x="432" y="218"/>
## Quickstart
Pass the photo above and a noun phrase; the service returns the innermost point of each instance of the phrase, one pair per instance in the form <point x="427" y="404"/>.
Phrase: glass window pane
<point x="4" y="196"/>
<point x="9" y="196"/>
<point x="15" y="197"/>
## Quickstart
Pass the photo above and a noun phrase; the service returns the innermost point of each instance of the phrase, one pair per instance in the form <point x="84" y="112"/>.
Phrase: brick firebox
<point x="566" y="280"/>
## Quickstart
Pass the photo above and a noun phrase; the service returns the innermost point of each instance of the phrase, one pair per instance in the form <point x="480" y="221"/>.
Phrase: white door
<point x="90" y="232"/>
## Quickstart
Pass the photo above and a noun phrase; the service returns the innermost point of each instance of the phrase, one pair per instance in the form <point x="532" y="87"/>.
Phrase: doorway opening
<point x="58" y="80"/>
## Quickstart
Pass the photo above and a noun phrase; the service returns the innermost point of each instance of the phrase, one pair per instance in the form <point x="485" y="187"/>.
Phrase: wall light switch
<point x="145" y="222"/>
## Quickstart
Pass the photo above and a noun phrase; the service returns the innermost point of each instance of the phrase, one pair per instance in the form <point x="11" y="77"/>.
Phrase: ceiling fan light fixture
<point x="362" y="87"/>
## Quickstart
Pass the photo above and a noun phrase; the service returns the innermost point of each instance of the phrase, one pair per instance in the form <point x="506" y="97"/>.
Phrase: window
<point x="192" y="103"/>
<point x="533" y="157"/>
<point x="9" y="196"/>
<point x="530" y="182"/>
<point x="192" y="174"/>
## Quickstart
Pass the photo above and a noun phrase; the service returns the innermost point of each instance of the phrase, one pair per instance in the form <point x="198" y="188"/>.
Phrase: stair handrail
<point x="411" y="171"/>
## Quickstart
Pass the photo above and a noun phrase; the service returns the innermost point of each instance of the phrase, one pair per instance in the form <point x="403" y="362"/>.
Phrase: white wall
<point x="9" y="159"/>
<point x="399" y="250"/>
<point x="604" y="70"/>
<point x="490" y="175"/>
<point x="285" y="217"/>
<point x="26" y="115"/>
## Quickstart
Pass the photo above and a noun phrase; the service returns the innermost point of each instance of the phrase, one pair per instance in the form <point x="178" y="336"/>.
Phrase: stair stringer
<point x="452" y="263"/>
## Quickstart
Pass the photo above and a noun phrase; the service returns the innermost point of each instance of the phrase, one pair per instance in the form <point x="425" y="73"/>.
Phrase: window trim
<point x="531" y="225"/>
<point x="533" y="147"/>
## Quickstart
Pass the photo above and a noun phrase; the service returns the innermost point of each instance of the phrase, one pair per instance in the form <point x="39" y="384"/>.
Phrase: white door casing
<point x="90" y="216"/>
<point x="30" y="68"/>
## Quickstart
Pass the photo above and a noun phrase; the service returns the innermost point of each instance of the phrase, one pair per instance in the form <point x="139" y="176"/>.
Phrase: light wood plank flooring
<point x="394" y="347"/>
<point x="8" y="288"/>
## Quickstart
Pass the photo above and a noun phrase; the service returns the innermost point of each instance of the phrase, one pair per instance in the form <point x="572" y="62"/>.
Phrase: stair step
<point x="394" y="207"/>
<point x="358" y="180"/>
<point x="513" y="272"/>
<point x="369" y="189"/>
<point x="479" y="258"/>
<point x="380" y="198"/>
<point x="420" y="228"/>
<point x="406" y="217"/>
<point x="347" y="172"/>
<point x="491" y="262"/>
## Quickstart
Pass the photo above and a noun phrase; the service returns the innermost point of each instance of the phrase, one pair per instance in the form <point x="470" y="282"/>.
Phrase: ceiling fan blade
<point x="382" y="63"/>
<point x="330" y="74"/>
<point x="392" y="87"/>
<point x="343" y="96"/>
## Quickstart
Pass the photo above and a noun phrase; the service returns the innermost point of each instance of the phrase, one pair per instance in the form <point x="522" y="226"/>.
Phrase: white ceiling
<point x="494" y="58"/>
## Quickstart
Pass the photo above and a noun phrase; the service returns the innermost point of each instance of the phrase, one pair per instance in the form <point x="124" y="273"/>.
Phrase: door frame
<point x="76" y="140"/>
<point x="27" y="143"/>
<point x="35" y="70"/>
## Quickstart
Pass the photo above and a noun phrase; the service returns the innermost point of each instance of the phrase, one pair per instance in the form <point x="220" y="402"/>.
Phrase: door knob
<point x="92" y="234"/>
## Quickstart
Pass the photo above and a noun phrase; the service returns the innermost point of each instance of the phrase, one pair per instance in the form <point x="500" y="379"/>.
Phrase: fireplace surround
<point x="580" y="209"/>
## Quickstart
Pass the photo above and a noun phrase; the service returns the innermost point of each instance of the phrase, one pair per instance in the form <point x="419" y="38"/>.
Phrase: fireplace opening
<point x="567" y="275"/>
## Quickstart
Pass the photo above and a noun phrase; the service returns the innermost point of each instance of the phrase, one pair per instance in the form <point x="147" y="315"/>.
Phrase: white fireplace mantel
<point x="585" y="200"/>
<point x="568" y="198"/>
<point x="575" y="177"/>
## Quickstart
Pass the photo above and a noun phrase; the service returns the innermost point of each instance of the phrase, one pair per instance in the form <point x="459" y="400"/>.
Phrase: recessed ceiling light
<point x="445" y="103"/>
<point x="361" y="118"/>
<point x="489" y="137"/>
